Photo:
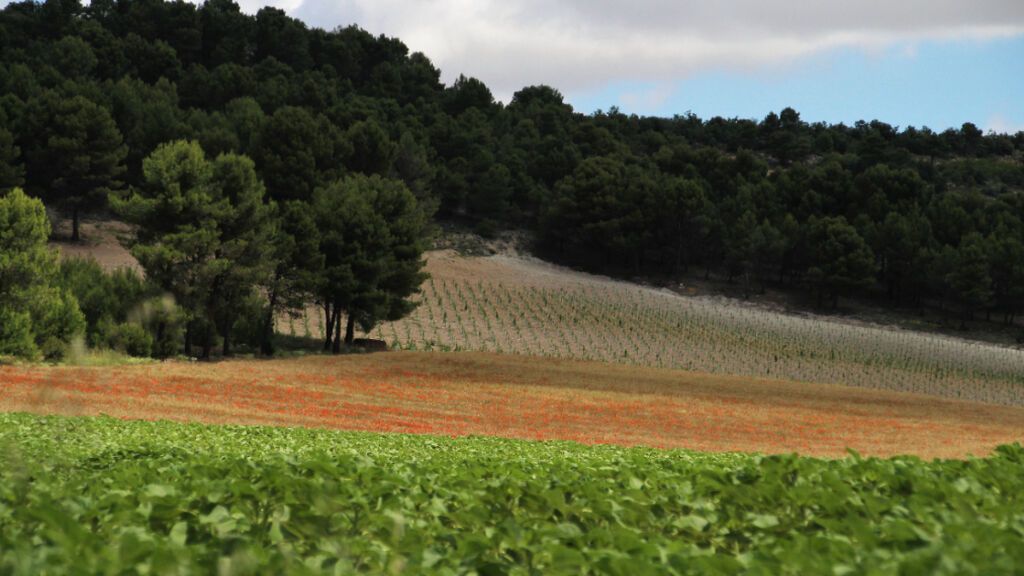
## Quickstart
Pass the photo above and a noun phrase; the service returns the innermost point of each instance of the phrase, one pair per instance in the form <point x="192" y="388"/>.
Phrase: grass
<point x="519" y="397"/>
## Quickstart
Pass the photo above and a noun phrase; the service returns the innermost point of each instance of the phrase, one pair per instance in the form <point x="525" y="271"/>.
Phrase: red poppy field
<point x="521" y="397"/>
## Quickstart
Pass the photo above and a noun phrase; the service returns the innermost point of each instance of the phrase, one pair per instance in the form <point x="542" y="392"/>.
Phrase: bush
<point x="486" y="229"/>
<point x="91" y="286"/>
<point x="16" y="335"/>
<point x="121" y="311"/>
<point x="37" y="318"/>
<point x="166" y="323"/>
<point x="170" y="328"/>
<point x="128" y="337"/>
<point x="103" y="296"/>
<point x="53" y="349"/>
<point x="248" y="329"/>
<point x="57" y="321"/>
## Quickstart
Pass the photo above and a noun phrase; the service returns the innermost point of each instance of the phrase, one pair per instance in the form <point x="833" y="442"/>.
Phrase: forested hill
<point x="88" y="92"/>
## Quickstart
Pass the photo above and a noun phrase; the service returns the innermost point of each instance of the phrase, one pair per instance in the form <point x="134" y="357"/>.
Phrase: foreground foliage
<point x="103" y="495"/>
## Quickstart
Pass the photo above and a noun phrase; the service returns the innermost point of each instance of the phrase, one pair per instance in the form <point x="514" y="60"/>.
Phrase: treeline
<point x="90" y="92"/>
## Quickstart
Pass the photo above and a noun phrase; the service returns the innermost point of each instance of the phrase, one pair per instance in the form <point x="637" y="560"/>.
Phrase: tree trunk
<point x="161" y="327"/>
<point x="208" y="341"/>
<point x="350" y="330"/>
<point x="331" y="315"/>
<point x="188" y="340"/>
<point x="226" y="347"/>
<point x="74" y="224"/>
<point x="267" y="340"/>
<point x="336" y="348"/>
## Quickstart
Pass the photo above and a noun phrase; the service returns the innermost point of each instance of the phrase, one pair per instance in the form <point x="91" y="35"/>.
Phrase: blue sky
<point x="938" y="84"/>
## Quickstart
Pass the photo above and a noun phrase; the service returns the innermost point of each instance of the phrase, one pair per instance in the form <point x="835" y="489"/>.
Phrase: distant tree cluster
<point x="268" y="164"/>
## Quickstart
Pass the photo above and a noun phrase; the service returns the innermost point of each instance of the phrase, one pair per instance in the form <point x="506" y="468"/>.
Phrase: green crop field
<point x="99" y="495"/>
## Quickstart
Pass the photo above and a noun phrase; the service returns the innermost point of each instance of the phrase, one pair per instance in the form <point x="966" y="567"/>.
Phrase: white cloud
<point x="646" y="100"/>
<point x="1001" y="125"/>
<point x="580" y="45"/>
<point x="583" y="44"/>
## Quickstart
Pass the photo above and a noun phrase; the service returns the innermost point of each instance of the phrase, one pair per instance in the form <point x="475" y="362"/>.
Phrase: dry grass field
<point x="520" y="397"/>
<point x="511" y="304"/>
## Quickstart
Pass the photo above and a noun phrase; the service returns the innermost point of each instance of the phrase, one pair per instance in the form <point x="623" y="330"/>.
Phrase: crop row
<point x="645" y="327"/>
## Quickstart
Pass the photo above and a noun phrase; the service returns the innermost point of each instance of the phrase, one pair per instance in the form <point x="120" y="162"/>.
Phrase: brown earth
<point x="522" y="397"/>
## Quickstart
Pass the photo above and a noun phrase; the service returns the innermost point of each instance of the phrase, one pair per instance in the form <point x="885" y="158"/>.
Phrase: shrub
<point x="128" y="337"/>
<point x="122" y="311"/>
<point x="167" y="323"/>
<point x="16" y="335"/>
<point x="39" y="319"/>
<point x="102" y="296"/>
<point x="247" y="331"/>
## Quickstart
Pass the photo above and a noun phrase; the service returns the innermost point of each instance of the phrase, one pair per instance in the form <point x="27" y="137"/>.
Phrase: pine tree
<point x="12" y="172"/>
<point x="969" y="279"/>
<point x="78" y="157"/>
<point x="840" y="259"/>
<point x="205" y="233"/>
<point x="372" y="238"/>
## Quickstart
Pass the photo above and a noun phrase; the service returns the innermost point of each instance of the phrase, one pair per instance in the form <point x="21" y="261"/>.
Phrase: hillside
<point x="525" y="306"/>
<point x="513" y="303"/>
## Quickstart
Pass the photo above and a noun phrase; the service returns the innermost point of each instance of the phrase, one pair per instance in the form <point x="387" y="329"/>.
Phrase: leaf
<point x="217" y="515"/>
<point x="691" y="522"/>
<point x="159" y="491"/>
<point x="275" y="534"/>
<point x="179" y="533"/>
<point x="568" y="530"/>
<point x="764" y="521"/>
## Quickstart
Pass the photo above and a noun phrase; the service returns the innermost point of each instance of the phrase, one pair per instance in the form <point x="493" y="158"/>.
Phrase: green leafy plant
<point x="104" y="495"/>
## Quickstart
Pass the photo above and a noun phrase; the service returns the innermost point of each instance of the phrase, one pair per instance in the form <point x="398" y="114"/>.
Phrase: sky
<point x="935" y="63"/>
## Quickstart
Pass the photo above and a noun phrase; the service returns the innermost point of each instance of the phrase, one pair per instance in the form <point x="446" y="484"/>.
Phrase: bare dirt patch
<point x="519" y="397"/>
<point x="101" y="240"/>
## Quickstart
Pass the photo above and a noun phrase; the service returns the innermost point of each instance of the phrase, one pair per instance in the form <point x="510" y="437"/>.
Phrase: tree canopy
<point x="91" y="96"/>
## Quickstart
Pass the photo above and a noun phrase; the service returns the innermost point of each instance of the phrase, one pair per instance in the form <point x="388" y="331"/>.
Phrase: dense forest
<point x="267" y="165"/>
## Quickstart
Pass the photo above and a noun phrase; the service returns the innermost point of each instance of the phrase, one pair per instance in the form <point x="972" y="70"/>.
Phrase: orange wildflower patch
<point x="523" y="397"/>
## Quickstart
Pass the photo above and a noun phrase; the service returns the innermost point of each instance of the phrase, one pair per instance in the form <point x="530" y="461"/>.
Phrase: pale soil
<point x="101" y="241"/>
<point x="510" y="303"/>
